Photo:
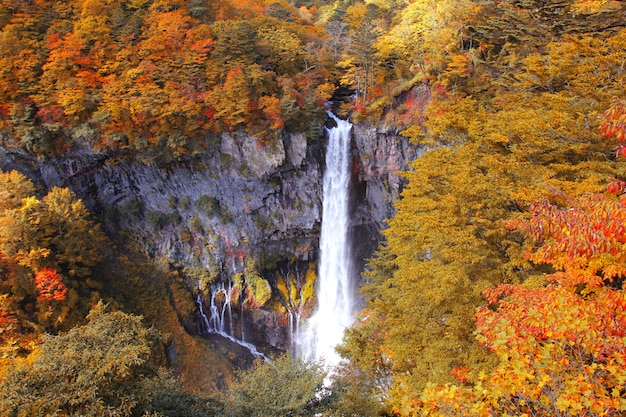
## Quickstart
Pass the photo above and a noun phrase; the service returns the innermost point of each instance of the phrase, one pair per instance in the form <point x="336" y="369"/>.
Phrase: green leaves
<point x="282" y="387"/>
<point x="91" y="370"/>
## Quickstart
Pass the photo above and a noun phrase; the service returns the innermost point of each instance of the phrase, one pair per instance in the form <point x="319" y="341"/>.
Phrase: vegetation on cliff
<point x="512" y="132"/>
<point x="499" y="287"/>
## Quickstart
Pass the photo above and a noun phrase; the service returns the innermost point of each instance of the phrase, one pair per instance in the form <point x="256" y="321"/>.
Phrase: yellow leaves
<point x="260" y="289"/>
<point x="296" y="287"/>
<point x="594" y="6"/>
<point x="458" y="67"/>
<point x="136" y="4"/>
<point x="324" y="92"/>
<point x="281" y="47"/>
<point x="355" y="14"/>
<point x="231" y="99"/>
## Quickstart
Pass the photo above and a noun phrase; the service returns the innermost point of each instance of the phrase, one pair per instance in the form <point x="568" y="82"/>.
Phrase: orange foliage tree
<point x="50" y="250"/>
<point x="151" y="79"/>
<point x="560" y="338"/>
<point x="49" y="285"/>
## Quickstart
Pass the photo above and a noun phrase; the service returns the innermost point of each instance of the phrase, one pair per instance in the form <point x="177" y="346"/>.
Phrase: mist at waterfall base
<point x="324" y="330"/>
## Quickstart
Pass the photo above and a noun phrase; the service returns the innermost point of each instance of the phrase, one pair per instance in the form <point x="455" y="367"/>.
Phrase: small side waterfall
<point x="335" y="292"/>
<point x="221" y="314"/>
<point x="220" y="317"/>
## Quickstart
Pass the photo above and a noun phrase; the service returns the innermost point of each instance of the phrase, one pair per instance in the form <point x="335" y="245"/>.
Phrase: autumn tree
<point x="154" y="97"/>
<point x="23" y="55"/>
<point x="283" y="50"/>
<point x="104" y="367"/>
<point x="49" y="249"/>
<point x="284" y="386"/>
<point x="558" y="337"/>
<point x="231" y="99"/>
<point x="359" y="63"/>
<point x="425" y="35"/>
<point x="49" y="285"/>
<point x="150" y="79"/>
<point x="491" y="150"/>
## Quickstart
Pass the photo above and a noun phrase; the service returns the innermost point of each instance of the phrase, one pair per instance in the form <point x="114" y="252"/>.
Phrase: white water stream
<point x="220" y="317"/>
<point x="335" y="293"/>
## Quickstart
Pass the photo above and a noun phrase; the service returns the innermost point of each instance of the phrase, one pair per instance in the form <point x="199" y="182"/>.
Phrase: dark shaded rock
<point x="330" y="123"/>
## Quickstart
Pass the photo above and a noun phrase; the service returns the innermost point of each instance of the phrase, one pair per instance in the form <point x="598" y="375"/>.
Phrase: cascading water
<point x="220" y="316"/>
<point x="223" y="315"/>
<point x="335" y="292"/>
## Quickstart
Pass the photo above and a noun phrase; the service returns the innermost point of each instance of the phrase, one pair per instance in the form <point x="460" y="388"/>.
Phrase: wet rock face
<point x="244" y="199"/>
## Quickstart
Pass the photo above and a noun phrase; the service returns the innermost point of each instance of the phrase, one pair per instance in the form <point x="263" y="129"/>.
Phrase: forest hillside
<point x="498" y="287"/>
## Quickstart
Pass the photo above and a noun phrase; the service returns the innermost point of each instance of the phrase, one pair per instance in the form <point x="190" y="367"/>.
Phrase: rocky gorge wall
<point x="243" y="200"/>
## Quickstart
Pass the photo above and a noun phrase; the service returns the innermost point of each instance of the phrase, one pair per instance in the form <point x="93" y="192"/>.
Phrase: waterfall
<point x="220" y="316"/>
<point x="202" y="322"/>
<point x="334" y="313"/>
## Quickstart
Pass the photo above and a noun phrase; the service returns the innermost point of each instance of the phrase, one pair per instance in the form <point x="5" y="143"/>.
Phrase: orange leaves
<point x="553" y="342"/>
<point x="461" y="373"/>
<point x="135" y="75"/>
<point x="272" y="111"/>
<point x="614" y="126"/>
<point x="588" y="235"/>
<point x="615" y="123"/>
<point x="49" y="285"/>
<point x="562" y="347"/>
<point x="493" y="295"/>
<point x="526" y="317"/>
<point x="8" y="320"/>
<point x="616" y="186"/>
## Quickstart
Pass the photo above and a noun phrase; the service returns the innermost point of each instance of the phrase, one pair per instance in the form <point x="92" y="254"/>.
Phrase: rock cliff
<point x="244" y="199"/>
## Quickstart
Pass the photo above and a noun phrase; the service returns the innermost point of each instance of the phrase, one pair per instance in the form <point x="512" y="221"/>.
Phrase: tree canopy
<point x="499" y="287"/>
<point x="101" y="368"/>
<point x="512" y="129"/>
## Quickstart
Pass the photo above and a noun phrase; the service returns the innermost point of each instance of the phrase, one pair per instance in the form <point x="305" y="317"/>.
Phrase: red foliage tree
<point x="49" y="285"/>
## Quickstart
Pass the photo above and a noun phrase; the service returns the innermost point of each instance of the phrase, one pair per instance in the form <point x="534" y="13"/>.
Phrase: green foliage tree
<point x="100" y="368"/>
<point x="281" y="387"/>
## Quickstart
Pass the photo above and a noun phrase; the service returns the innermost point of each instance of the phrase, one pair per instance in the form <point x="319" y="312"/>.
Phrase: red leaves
<point x="271" y="109"/>
<point x="50" y="285"/>
<point x="7" y="319"/>
<point x="461" y="373"/>
<point x="620" y="150"/>
<point x="493" y="295"/>
<point x="615" y="124"/>
<point x="565" y="340"/>
<point x="589" y="235"/>
<point x="616" y="186"/>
